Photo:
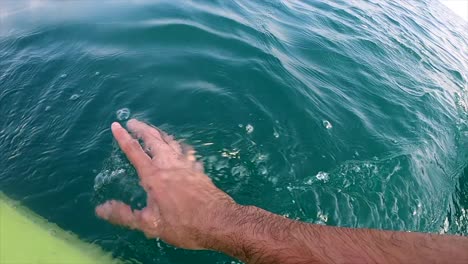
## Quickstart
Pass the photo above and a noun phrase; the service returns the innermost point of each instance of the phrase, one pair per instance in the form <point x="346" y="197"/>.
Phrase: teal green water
<point x="348" y="113"/>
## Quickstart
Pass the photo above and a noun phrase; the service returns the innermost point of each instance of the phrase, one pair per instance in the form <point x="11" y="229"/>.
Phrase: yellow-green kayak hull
<point x="25" y="237"/>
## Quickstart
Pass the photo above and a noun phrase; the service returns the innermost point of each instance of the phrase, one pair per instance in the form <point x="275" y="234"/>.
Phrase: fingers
<point x="119" y="213"/>
<point x="157" y="142"/>
<point x="174" y="144"/>
<point x="165" y="152"/>
<point x="130" y="147"/>
<point x="147" y="220"/>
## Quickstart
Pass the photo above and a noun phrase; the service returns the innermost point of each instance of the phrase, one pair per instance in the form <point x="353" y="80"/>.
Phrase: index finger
<point x="159" y="142"/>
<point x="130" y="147"/>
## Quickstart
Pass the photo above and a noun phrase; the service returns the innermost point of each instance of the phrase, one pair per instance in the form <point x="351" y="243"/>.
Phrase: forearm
<point x="257" y="236"/>
<point x="254" y="235"/>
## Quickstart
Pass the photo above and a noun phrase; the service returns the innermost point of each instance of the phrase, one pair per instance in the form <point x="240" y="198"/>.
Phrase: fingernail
<point x="115" y="125"/>
<point x="100" y="212"/>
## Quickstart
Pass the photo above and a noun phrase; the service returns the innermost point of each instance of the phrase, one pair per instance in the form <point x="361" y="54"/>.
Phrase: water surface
<point x="347" y="113"/>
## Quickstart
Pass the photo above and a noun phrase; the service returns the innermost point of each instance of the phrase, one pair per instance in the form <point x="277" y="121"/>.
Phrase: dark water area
<point x="344" y="113"/>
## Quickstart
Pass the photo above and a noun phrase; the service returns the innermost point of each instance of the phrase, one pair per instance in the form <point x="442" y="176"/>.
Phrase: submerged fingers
<point x="130" y="146"/>
<point x="156" y="142"/>
<point x="118" y="213"/>
<point x="162" y="150"/>
<point x="165" y="151"/>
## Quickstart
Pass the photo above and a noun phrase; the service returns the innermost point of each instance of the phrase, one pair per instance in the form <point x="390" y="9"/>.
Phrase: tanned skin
<point x="185" y="209"/>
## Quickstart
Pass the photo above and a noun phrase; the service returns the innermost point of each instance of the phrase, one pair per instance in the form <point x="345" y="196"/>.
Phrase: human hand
<point x="183" y="205"/>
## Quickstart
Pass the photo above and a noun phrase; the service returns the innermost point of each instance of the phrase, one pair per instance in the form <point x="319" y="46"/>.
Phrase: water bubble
<point x="241" y="125"/>
<point x="262" y="170"/>
<point x="249" y="128"/>
<point x="63" y="75"/>
<point x="322" y="218"/>
<point x="327" y="124"/>
<point x="74" y="97"/>
<point x="123" y="114"/>
<point x="322" y="176"/>
<point x="276" y="134"/>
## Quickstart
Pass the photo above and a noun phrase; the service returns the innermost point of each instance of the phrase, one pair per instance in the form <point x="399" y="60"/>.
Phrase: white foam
<point x="106" y="176"/>
<point x="322" y="218"/>
<point x="322" y="176"/>
<point x="445" y="227"/>
<point x="231" y="154"/>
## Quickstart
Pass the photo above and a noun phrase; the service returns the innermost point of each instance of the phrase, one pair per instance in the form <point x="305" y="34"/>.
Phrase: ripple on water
<point x="74" y="97"/>
<point x="361" y="80"/>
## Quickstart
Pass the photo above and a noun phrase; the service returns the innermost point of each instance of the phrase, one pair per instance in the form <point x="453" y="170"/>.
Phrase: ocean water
<point x="346" y="113"/>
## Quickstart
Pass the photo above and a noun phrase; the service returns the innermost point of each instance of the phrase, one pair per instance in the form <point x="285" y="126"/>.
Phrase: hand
<point x="183" y="205"/>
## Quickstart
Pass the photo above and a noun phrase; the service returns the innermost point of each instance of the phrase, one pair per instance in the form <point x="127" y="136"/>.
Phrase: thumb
<point x="119" y="213"/>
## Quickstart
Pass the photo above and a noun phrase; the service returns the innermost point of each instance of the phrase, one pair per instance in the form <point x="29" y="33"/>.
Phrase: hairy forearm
<point x="257" y="236"/>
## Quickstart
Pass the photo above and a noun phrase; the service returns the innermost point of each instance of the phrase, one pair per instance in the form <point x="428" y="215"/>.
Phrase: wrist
<point x="222" y="227"/>
<point x="234" y="232"/>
